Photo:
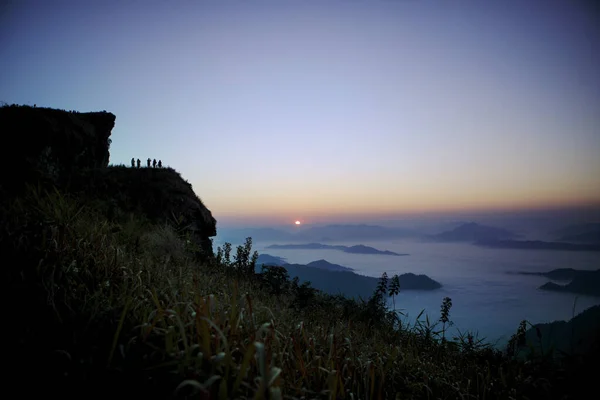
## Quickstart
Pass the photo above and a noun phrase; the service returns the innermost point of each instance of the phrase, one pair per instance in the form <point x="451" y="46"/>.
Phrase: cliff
<point x="161" y="194"/>
<point x="70" y="150"/>
<point x="51" y="145"/>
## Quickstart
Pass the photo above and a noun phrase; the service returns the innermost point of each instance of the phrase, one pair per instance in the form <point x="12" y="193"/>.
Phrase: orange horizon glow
<point x="355" y="217"/>
<point x="281" y="212"/>
<point x="378" y="196"/>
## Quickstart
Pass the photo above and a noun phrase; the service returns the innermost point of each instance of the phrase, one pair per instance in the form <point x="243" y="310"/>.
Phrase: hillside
<point x="577" y="336"/>
<point x="111" y="292"/>
<point x="51" y="145"/>
<point x="70" y="151"/>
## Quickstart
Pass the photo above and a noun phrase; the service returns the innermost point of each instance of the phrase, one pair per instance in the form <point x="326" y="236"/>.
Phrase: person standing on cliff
<point x="159" y="163"/>
<point x="139" y="163"/>
<point x="149" y="163"/>
<point x="154" y="163"/>
<point x="132" y="162"/>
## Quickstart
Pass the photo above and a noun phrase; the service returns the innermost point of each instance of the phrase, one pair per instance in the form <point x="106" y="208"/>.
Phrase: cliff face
<point x="70" y="150"/>
<point x="52" y="144"/>
<point x="161" y="194"/>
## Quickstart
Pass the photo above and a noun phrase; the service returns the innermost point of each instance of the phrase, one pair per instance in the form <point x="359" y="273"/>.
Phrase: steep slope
<point x="70" y="151"/>
<point x="51" y="144"/>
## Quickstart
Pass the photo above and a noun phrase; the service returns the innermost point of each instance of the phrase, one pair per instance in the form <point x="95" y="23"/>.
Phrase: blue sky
<point x="321" y="110"/>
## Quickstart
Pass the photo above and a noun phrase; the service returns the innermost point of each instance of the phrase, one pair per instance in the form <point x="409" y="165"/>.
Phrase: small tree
<point x="375" y="307"/>
<point x="445" y="317"/>
<point x="517" y="340"/>
<point x="303" y="294"/>
<point x="394" y="288"/>
<point x="224" y="255"/>
<point x="243" y="262"/>
<point x="276" y="278"/>
<point x="383" y="284"/>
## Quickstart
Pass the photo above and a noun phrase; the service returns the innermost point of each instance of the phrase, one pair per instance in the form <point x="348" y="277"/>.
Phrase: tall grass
<point x="121" y="301"/>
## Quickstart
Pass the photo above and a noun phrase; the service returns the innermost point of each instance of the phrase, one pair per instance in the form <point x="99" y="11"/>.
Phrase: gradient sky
<point x="300" y="109"/>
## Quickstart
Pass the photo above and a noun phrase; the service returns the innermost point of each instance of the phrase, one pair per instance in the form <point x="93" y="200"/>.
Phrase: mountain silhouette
<point x="473" y="232"/>
<point x="582" y="233"/>
<point x="357" y="249"/>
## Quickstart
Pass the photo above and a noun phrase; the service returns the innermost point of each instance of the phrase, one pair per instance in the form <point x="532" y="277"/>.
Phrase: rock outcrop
<point x="161" y="194"/>
<point x="70" y="150"/>
<point x="51" y="145"/>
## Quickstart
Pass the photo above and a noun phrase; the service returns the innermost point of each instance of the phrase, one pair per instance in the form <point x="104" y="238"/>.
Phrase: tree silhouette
<point x="394" y="288"/>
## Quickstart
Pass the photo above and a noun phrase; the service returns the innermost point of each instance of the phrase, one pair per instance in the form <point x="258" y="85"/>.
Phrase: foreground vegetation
<point x="101" y="304"/>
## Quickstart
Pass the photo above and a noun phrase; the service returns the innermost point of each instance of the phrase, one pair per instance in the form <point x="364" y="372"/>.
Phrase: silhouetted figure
<point x="35" y="105"/>
<point x="139" y="163"/>
<point x="149" y="163"/>
<point x="154" y="163"/>
<point x="132" y="162"/>
<point x="159" y="164"/>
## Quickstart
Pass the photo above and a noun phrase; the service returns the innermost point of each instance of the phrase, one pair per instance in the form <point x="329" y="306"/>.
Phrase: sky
<point x="311" y="110"/>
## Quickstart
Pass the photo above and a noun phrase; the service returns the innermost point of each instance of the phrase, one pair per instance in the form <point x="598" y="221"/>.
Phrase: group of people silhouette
<point x="139" y="163"/>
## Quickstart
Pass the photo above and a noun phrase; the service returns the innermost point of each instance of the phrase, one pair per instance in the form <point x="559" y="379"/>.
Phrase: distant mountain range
<point x="472" y="232"/>
<point x="324" y="265"/>
<point x="537" y="245"/>
<point x="581" y="233"/>
<point x="358" y="249"/>
<point x="335" y="279"/>
<point x="581" y="281"/>
<point x="268" y="259"/>
<point x="257" y="234"/>
<point x="562" y="274"/>
<point x="353" y="232"/>
<point x="489" y="236"/>
<point x="583" y="237"/>
<point x="328" y="233"/>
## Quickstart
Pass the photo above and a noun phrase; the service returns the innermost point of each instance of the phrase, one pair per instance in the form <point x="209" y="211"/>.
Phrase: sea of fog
<point x="487" y="296"/>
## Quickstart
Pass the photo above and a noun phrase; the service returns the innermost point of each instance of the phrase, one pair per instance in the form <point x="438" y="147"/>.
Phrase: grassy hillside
<point x="106" y="295"/>
<point x="159" y="194"/>
<point x="118" y="306"/>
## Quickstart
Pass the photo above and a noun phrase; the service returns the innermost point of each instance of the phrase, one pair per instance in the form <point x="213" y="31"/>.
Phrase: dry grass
<point x="125" y="296"/>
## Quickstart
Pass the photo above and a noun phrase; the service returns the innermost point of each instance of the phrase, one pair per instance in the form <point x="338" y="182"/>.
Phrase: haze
<point x="325" y="110"/>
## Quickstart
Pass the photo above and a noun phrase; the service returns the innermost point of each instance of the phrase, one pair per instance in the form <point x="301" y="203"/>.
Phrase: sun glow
<point x="297" y="222"/>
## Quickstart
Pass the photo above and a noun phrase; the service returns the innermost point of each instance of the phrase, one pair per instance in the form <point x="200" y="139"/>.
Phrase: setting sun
<point x="297" y="222"/>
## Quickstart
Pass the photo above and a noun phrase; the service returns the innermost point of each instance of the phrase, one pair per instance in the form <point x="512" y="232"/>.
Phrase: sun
<point x="297" y="222"/>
